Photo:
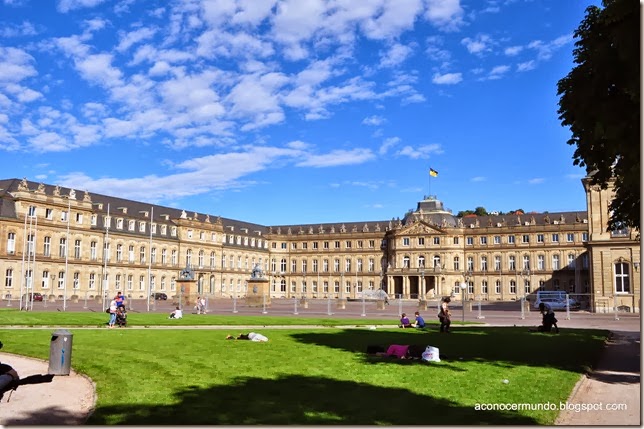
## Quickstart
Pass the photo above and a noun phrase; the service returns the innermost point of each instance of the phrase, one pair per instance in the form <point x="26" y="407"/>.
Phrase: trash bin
<point x="60" y="352"/>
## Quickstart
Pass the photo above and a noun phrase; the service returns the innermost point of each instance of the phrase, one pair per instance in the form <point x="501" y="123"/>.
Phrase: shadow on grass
<point x="576" y="351"/>
<point x="300" y="400"/>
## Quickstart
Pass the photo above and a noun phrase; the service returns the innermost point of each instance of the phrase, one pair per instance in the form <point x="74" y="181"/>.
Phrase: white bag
<point x="431" y="354"/>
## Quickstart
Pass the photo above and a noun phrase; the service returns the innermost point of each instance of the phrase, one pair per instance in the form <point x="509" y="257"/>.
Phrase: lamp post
<point x="422" y="281"/>
<point x="525" y="275"/>
<point x="464" y="285"/>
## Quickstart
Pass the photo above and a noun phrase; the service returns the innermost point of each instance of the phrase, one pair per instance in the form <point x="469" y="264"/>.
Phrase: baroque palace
<point x="64" y="243"/>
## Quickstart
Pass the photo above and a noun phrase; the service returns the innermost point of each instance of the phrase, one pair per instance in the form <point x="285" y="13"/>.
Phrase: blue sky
<point x="292" y="111"/>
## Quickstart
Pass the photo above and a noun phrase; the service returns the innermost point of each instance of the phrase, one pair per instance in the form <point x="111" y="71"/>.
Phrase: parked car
<point x="557" y="303"/>
<point x="159" y="296"/>
<point x="36" y="296"/>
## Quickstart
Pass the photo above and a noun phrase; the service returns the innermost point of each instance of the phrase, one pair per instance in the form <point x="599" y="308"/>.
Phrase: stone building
<point x="62" y="244"/>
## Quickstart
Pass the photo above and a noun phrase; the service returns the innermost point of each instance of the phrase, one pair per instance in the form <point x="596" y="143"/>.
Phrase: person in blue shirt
<point x="420" y="322"/>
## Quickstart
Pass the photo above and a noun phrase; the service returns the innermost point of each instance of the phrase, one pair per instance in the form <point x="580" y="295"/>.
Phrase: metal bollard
<point x="60" y="352"/>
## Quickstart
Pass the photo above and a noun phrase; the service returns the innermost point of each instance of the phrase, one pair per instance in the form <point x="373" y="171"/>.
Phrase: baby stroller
<point x="121" y="318"/>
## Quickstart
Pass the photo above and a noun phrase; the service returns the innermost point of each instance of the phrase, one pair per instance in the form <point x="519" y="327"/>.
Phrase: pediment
<point x="418" y="228"/>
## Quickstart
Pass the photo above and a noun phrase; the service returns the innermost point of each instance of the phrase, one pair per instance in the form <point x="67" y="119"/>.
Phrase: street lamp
<point x="464" y="285"/>
<point x="422" y="281"/>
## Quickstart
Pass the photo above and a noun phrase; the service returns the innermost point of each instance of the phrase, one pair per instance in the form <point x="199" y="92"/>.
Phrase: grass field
<point x="323" y="376"/>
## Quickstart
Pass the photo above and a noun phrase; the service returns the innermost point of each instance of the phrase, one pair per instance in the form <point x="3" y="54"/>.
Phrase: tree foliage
<point x="600" y="102"/>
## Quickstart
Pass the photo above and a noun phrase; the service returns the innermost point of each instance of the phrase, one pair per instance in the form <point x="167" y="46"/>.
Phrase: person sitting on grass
<point x="252" y="336"/>
<point x="404" y="321"/>
<point x="176" y="314"/>
<point x="549" y="320"/>
<point x="420" y="322"/>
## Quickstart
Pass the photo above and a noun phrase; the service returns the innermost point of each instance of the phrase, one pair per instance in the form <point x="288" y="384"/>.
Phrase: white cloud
<point x="15" y="65"/>
<point x="127" y="40"/>
<point x="420" y="152"/>
<point x="374" y="120"/>
<point x="526" y="66"/>
<point x="65" y="6"/>
<point x="478" y="179"/>
<point x="9" y="30"/>
<point x="513" y="50"/>
<point x="497" y="72"/>
<point x="338" y="157"/>
<point x="480" y="44"/>
<point x="445" y="14"/>
<point x="388" y="144"/>
<point x="395" y="56"/>
<point x="536" y="181"/>
<point x="545" y="50"/>
<point x="447" y="78"/>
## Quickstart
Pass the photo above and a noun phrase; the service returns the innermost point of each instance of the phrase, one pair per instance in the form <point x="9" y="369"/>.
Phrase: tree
<point x="480" y="211"/>
<point x="600" y="102"/>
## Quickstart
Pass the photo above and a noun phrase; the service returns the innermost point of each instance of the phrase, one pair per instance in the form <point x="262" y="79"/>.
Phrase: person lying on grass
<point x="252" y="336"/>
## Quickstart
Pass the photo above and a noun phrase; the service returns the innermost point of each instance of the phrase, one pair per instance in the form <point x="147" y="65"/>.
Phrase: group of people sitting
<point x="419" y="322"/>
<point x="117" y="311"/>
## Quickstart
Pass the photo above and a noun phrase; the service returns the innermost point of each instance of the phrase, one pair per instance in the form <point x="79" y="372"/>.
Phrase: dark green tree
<point x="480" y="211"/>
<point x="600" y="102"/>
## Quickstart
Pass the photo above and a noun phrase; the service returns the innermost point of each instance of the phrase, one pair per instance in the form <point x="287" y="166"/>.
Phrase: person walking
<point x="112" y="310"/>
<point x="444" y="315"/>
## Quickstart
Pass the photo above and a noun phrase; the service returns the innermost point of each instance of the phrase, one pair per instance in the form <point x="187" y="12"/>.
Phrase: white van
<point x="556" y="299"/>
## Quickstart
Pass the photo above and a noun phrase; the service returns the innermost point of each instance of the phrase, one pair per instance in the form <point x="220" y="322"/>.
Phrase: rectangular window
<point x="421" y="241"/>
<point x="541" y="262"/>
<point x="130" y="281"/>
<point x="455" y="240"/>
<point x="11" y="243"/>
<point x="336" y="245"/>
<point x="555" y="262"/>
<point x="513" y="287"/>
<point x="555" y="238"/>
<point x="131" y="253"/>
<point x="49" y="214"/>
<point x="622" y="279"/>
<point x="117" y="282"/>
<point x="141" y="226"/>
<point x="315" y="245"/>
<point x="64" y="216"/>
<point x="347" y="244"/>
<point x="483" y="240"/>
<point x="437" y="241"/>
<point x="325" y="245"/>
<point x="570" y="237"/>
<point x="525" y="238"/>
<point x="512" y="264"/>
<point x="45" y="280"/>
<point x="119" y="253"/>
<point x="497" y="287"/>
<point x="32" y="211"/>
<point x="141" y="282"/>
<point x="584" y="237"/>
<point x="79" y="217"/>
<point x="61" y="280"/>
<point x="8" y="279"/>
<point x="372" y="244"/>
<point x="76" y="282"/>
<point x="119" y="223"/>
<point x="539" y="238"/>
<point x="46" y="251"/>
<point x="92" y="250"/>
<point x="497" y="263"/>
<point x="77" y="249"/>
<point x="294" y="246"/>
<point x="469" y="241"/>
<point x="92" y="280"/>
<point x="510" y="239"/>
<point x="62" y="247"/>
<point x="497" y="239"/>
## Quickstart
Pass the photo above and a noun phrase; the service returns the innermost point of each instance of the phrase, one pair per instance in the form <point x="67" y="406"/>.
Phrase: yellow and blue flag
<point x="433" y="172"/>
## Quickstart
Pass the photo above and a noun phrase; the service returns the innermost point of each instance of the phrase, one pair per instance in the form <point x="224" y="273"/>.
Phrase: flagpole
<point x="150" y="259"/>
<point x="106" y="254"/>
<point x="22" y="276"/>
<point x="69" y="209"/>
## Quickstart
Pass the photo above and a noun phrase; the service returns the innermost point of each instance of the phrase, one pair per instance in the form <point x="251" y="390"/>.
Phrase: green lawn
<point x="311" y="377"/>
<point x="13" y="317"/>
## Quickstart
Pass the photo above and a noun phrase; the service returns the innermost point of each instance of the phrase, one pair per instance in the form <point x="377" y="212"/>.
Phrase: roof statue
<point x="57" y="191"/>
<point x="184" y="215"/>
<point x="86" y="197"/>
<point x="72" y="194"/>
<point x="207" y="219"/>
<point x="41" y="188"/>
<point x="195" y="216"/>
<point x="23" y="186"/>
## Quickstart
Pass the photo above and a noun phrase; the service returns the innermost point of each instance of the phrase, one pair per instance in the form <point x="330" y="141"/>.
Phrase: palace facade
<point x="64" y="243"/>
